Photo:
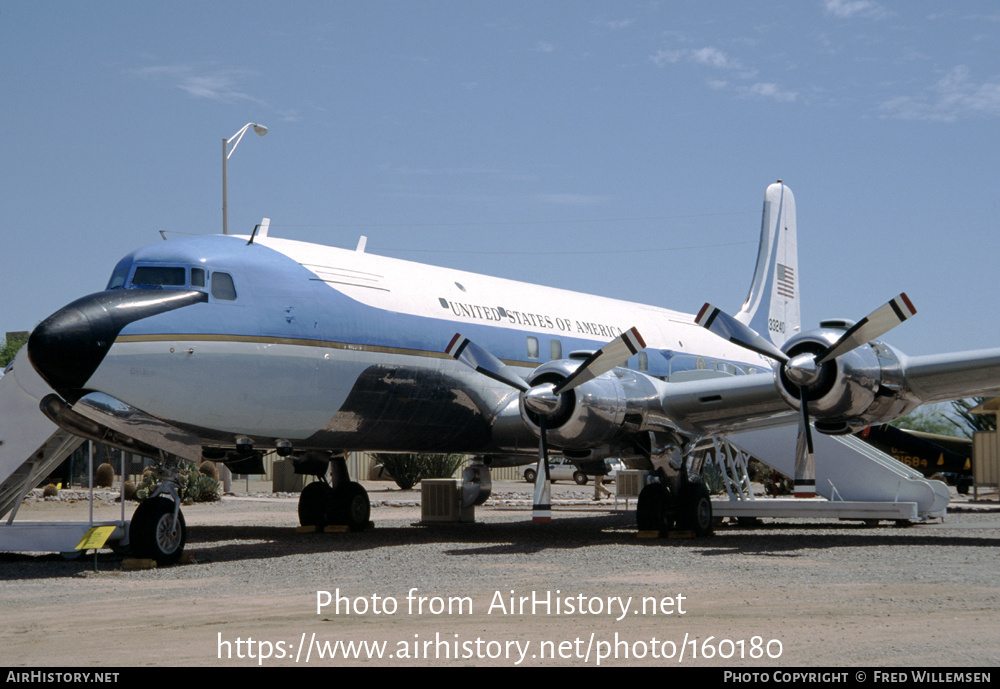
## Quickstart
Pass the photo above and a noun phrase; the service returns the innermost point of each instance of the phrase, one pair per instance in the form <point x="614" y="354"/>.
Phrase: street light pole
<point x="226" y="152"/>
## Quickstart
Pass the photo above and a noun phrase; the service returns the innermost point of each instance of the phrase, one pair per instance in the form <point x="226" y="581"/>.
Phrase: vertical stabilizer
<point x="772" y="307"/>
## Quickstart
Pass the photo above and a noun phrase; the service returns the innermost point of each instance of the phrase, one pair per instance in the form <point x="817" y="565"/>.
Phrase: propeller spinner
<point x="806" y="369"/>
<point x="545" y="400"/>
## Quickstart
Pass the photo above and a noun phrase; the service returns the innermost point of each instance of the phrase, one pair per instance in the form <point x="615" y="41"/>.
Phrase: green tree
<point x="10" y="349"/>
<point x="970" y="423"/>
<point x="929" y="419"/>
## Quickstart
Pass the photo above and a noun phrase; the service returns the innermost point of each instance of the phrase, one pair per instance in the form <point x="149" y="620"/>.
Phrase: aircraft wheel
<point x="695" y="510"/>
<point x="313" y="504"/>
<point x="654" y="511"/>
<point x="350" y="506"/>
<point x="530" y="475"/>
<point x="580" y="478"/>
<point x="154" y="534"/>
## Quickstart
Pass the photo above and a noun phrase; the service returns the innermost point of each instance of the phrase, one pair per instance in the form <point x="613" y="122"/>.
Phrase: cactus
<point x="104" y="476"/>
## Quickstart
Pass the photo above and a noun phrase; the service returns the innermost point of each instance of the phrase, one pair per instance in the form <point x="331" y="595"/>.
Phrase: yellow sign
<point x="95" y="537"/>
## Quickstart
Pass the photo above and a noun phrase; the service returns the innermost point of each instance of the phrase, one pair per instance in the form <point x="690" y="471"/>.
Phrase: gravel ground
<point x="789" y="593"/>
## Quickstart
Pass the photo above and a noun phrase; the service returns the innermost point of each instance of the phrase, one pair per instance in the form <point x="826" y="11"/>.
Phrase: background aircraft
<point x="224" y="346"/>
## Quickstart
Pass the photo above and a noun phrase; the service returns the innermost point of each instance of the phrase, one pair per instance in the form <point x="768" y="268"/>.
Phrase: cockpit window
<point x="118" y="277"/>
<point x="158" y="276"/>
<point x="223" y="287"/>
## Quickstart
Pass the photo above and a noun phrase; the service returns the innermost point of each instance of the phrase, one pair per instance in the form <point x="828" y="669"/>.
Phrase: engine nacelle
<point x="858" y="388"/>
<point x="594" y="412"/>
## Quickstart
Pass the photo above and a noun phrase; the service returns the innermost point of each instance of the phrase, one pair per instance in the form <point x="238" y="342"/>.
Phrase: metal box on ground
<point x="441" y="501"/>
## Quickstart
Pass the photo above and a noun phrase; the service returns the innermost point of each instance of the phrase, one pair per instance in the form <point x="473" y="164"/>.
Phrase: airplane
<point x="223" y="346"/>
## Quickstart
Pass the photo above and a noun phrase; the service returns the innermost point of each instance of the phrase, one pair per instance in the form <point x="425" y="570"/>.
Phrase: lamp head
<point x="260" y="129"/>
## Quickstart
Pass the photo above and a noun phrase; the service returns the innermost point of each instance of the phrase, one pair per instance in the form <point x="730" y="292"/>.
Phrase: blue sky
<point x="616" y="148"/>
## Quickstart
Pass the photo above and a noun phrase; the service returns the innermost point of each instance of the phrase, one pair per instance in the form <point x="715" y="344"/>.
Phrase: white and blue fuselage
<point x="332" y="348"/>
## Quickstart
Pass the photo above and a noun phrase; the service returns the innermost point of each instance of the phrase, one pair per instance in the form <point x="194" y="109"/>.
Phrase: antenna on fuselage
<point x="260" y="229"/>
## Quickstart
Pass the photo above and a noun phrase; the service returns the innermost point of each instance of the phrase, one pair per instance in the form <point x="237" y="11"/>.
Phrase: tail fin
<point x="772" y="307"/>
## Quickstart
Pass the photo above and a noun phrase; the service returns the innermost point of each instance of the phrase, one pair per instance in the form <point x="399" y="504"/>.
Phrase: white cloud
<point x="955" y="96"/>
<point x="710" y="56"/>
<point x="221" y="85"/>
<point x="769" y="90"/>
<point x="618" y="23"/>
<point x="848" y="9"/>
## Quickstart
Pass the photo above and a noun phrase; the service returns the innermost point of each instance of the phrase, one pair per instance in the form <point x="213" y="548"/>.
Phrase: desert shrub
<point x="50" y="491"/>
<point x="194" y="486"/>
<point x="711" y="476"/>
<point x="441" y="466"/>
<point x="209" y="469"/>
<point x="407" y="469"/>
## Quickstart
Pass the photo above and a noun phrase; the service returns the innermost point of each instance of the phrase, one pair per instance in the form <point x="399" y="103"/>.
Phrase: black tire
<point x="530" y="475"/>
<point x="580" y="478"/>
<point x="694" y="511"/>
<point x="654" y="511"/>
<point x="349" y="506"/>
<point x="153" y="534"/>
<point x="314" y="504"/>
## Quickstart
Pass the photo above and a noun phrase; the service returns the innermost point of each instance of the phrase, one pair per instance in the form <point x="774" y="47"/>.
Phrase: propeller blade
<point x="877" y="323"/>
<point x="615" y="353"/>
<point x="541" y="504"/>
<point x="472" y="355"/>
<point x="728" y="328"/>
<point x="805" y="467"/>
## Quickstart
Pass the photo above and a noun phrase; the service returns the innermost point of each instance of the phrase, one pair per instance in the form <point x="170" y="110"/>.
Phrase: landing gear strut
<point x="341" y="502"/>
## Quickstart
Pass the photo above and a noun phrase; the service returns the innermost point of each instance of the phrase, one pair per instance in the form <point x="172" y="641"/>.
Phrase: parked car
<point x="613" y="467"/>
<point x="560" y="469"/>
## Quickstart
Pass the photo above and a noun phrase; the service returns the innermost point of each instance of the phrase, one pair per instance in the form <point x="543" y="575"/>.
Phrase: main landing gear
<point x="676" y="498"/>
<point x="662" y="509"/>
<point x="339" y="502"/>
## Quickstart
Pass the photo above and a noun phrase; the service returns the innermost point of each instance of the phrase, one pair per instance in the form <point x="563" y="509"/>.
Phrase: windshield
<point x="159" y="276"/>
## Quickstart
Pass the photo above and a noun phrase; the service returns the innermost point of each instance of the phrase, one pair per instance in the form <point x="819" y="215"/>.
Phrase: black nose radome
<point x="68" y="346"/>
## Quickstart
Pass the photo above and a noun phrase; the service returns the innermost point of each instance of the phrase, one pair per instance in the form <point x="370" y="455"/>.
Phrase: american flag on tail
<point x="786" y="281"/>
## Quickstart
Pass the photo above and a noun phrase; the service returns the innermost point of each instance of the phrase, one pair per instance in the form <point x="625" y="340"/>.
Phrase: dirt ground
<point x="503" y="591"/>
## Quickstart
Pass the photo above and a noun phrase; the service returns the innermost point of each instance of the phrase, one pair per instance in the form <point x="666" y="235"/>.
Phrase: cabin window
<point x="197" y="277"/>
<point x="159" y="276"/>
<point x="223" y="287"/>
<point x="555" y="349"/>
<point x="532" y="347"/>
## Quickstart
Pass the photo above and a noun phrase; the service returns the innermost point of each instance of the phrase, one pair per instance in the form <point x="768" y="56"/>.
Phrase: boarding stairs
<point x="853" y="479"/>
<point x="31" y="447"/>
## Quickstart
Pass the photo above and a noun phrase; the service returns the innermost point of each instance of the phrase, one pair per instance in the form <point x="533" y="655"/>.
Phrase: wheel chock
<point x="306" y="529"/>
<point x="336" y="528"/>
<point x="665" y="534"/>
<point x="680" y="534"/>
<point x="138" y="563"/>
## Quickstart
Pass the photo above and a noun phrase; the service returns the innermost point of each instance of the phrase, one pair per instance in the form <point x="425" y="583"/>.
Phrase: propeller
<point x="544" y="399"/>
<point x="805" y="369"/>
